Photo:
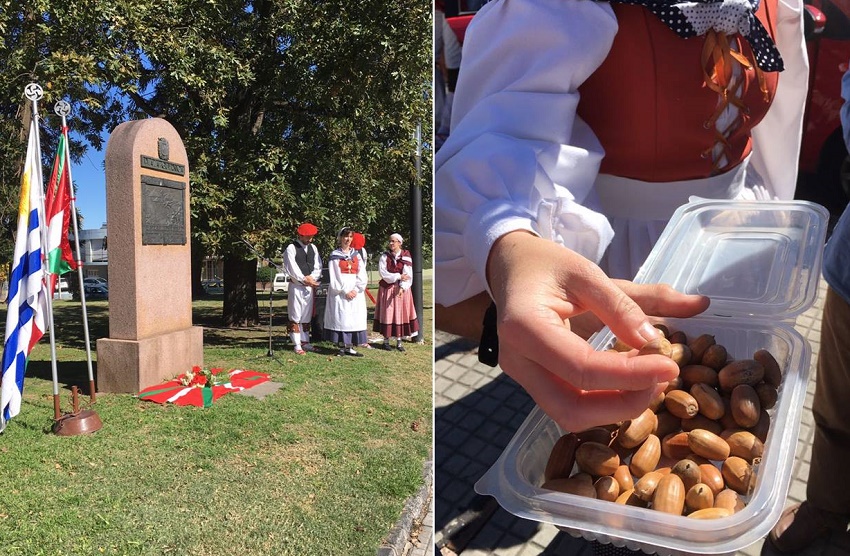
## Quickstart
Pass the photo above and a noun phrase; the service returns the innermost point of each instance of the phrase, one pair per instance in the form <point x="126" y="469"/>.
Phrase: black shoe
<point x="387" y="347"/>
<point x="340" y="353"/>
<point x="400" y="347"/>
<point x="350" y="351"/>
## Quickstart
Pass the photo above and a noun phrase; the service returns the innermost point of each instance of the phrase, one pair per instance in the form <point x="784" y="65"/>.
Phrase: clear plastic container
<point x="760" y="262"/>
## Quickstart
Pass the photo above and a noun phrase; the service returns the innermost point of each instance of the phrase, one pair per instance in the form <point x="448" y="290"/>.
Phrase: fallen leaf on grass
<point x="414" y="426"/>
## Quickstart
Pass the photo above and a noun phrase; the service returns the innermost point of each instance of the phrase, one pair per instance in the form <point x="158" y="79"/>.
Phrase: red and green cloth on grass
<point x="201" y="388"/>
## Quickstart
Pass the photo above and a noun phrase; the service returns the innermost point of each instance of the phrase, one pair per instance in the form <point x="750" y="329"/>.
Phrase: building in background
<point x="95" y="256"/>
<point x="93" y="252"/>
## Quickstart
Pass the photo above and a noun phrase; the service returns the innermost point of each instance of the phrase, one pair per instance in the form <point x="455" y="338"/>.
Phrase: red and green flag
<point x="194" y="389"/>
<point x="60" y="258"/>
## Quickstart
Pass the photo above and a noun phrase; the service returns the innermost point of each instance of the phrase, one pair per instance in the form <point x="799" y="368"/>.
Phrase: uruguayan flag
<point x="27" y="302"/>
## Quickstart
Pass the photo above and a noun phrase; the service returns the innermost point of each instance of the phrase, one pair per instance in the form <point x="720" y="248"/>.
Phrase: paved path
<point x="477" y="410"/>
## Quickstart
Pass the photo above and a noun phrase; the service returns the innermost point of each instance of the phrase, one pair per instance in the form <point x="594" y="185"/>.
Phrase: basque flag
<point x="27" y="301"/>
<point x="60" y="258"/>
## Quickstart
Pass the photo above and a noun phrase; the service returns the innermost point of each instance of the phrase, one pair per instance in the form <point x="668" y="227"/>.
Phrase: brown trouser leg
<point x="829" y="485"/>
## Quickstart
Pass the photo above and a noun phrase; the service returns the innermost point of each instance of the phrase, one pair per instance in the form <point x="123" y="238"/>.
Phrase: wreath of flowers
<point x="197" y="378"/>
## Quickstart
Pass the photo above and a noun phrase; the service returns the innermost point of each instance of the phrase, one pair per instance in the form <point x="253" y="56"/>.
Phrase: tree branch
<point x="143" y="103"/>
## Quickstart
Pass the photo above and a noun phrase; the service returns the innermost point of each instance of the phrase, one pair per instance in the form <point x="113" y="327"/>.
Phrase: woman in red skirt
<point x="395" y="314"/>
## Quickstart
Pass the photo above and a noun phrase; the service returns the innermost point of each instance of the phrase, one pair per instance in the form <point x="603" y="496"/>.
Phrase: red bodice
<point x="349" y="266"/>
<point x="651" y="109"/>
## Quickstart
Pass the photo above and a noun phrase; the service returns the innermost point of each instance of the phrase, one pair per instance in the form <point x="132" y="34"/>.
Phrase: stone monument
<point x="151" y="337"/>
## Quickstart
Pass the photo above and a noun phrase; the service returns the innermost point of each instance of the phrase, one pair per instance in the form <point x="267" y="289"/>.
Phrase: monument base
<point x="128" y="366"/>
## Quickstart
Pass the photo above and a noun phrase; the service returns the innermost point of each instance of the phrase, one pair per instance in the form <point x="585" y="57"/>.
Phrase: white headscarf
<point x="397" y="237"/>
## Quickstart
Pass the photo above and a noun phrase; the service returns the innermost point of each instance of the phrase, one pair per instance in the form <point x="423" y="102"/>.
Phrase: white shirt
<point x="292" y="267"/>
<point x="393" y="277"/>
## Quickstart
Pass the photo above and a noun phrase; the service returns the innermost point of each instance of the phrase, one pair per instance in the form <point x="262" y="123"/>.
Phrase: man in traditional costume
<point x="302" y="262"/>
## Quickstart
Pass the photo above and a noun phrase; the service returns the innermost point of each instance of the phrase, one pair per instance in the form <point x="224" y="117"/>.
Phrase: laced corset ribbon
<point x="722" y="70"/>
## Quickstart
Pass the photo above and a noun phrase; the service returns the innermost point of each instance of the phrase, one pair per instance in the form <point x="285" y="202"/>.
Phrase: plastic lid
<point x="754" y="259"/>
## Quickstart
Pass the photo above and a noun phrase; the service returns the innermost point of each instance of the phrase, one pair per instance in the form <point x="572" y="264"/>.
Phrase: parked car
<point x="96" y="291"/>
<point x="213" y="285"/>
<point x="95" y="281"/>
<point x="63" y="291"/>
<point x="280" y="282"/>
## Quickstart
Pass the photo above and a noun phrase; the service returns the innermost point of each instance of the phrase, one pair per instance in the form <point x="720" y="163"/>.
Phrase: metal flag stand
<point x="271" y="263"/>
<point x="87" y="420"/>
<point x="34" y="93"/>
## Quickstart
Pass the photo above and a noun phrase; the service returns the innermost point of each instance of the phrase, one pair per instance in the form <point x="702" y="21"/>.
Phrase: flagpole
<point x="34" y="93"/>
<point x="62" y="109"/>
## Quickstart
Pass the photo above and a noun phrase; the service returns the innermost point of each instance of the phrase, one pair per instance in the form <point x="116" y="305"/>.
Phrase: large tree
<point x="290" y="110"/>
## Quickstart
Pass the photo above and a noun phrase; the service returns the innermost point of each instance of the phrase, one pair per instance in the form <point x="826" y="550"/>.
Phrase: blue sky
<point x="90" y="179"/>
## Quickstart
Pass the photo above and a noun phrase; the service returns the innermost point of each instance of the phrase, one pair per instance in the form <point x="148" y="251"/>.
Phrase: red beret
<point x="307" y="229"/>
<point x="358" y="241"/>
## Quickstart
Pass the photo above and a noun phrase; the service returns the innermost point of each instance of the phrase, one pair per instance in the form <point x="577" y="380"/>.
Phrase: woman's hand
<point x="542" y="291"/>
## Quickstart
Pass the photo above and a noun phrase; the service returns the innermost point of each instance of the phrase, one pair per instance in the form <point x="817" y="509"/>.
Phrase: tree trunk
<point x="198" y="291"/>
<point x="240" y="292"/>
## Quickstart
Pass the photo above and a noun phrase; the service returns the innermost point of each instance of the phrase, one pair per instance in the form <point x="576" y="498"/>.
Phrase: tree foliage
<point x="265" y="275"/>
<point x="290" y="110"/>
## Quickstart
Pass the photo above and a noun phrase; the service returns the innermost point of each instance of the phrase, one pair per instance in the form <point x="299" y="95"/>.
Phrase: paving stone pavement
<point x="477" y="409"/>
<point x="423" y="544"/>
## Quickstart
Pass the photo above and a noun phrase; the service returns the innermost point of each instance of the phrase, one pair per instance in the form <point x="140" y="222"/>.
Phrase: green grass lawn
<point x="322" y="466"/>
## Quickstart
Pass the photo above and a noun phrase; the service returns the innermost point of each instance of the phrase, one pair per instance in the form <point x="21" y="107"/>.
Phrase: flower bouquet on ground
<point x="198" y="377"/>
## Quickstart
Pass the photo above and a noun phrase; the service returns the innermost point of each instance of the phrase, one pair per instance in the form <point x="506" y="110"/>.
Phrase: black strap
<point x="488" y="348"/>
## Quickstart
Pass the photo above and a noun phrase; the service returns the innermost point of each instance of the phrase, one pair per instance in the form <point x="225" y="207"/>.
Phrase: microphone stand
<point x="271" y="263"/>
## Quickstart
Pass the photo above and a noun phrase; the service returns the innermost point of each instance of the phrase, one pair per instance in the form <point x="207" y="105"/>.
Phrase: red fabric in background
<point x="459" y="24"/>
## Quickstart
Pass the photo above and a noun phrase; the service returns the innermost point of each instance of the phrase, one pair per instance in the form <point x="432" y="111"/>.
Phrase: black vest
<point x="301" y="258"/>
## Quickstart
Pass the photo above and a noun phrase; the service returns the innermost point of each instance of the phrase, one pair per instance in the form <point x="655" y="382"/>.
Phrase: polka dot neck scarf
<point x="695" y="18"/>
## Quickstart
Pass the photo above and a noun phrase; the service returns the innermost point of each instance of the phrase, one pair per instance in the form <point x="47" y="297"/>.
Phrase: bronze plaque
<point x="152" y="163"/>
<point x="163" y="211"/>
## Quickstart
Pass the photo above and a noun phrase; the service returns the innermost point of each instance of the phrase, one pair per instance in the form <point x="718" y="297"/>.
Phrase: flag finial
<point x="33" y="92"/>
<point x="62" y="108"/>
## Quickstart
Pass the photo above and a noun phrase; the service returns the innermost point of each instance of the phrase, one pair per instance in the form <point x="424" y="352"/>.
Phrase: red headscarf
<point x="358" y="241"/>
